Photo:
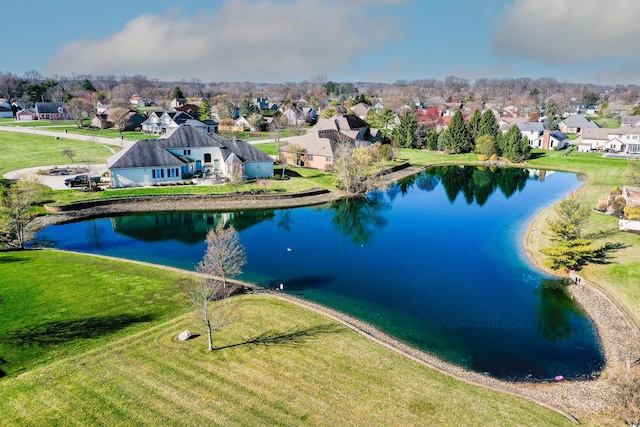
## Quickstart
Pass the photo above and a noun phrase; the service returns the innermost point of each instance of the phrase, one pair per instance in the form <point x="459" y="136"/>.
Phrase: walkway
<point x="61" y="135"/>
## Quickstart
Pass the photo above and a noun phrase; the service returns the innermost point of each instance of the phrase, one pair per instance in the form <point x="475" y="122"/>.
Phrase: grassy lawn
<point x="18" y="151"/>
<point x="80" y="303"/>
<point x="268" y="148"/>
<point x="39" y="123"/>
<point x="604" y="122"/>
<point x="297" y="368"/>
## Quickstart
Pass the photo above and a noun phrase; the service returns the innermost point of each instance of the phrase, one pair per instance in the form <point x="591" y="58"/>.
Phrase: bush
<point x="483" y="157"/>
<point x="494" y="158"/>
<point x="632" y="213"/>
<point x="602" y="204"/>
<point x="618" y="205"/>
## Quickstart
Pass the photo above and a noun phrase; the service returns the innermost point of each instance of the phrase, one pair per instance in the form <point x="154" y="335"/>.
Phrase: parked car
<point x="81" y="180"/>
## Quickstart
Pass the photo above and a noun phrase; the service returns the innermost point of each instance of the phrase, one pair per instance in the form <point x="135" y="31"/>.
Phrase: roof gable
<point x="143" y="153"/>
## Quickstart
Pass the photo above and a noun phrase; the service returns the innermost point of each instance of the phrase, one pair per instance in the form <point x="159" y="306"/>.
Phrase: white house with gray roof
<point x="186" y="152"/>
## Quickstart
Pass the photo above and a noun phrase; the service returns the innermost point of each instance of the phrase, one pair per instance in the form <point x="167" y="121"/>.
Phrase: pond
<point x="436" y="260"/>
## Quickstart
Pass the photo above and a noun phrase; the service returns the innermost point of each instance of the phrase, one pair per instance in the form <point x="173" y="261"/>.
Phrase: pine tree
<point x="515" y="146"/>
<point x="488" y="125"/>
<point x="457" y="138"/>
<point x="205" y="109"/>
<point x="177" y="93"/>
<point x="474" y="123"/>
<point x="406" y="133"/>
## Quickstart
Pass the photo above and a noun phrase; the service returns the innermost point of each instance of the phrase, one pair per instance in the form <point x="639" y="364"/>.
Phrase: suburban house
<point x="264" y="105"/>
<point x="293" y="115"/>
<point x="575" y="123"/>
<point x="552" y="140"/>
<point x="532" y="130"/>
<point x="630" y="121"/>
<point x="184" y="153"/>
<point x="620" y="140"/>
<point x="105" y="120"/>
<point x="317" y="148"/>
<point x="160" y="122"/>
<point x="139" y="101"/>
<point x="361" y="110"/>
<point x="26" y="115"/>
<point x="51" y="111"/>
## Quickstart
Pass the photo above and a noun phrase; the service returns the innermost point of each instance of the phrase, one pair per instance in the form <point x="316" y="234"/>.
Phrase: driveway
<point x="55" y="182"/>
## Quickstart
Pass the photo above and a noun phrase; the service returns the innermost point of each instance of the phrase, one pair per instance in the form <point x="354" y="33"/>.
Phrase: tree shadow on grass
<point x="12" y="258"/>
<point x="292" y="338"/>
<point x="60" y="332"/>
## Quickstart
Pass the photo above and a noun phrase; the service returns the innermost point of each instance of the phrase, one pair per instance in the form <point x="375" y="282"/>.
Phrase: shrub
<point x="494" y="158"/>
<point x="618" y="205"/>
<point x="632" y="213"/>
<point x="483" y="157"/>
<point x="602" y="204"/>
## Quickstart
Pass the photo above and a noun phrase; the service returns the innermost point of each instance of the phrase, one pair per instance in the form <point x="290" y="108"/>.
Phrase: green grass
<point x="268" y="148"/>
<point x="607" y="122"/>
<point x="296" y="368"/>
<point x="18" y="151"/>
<point x="56" y="304"/>
<point x="39" y="123"/>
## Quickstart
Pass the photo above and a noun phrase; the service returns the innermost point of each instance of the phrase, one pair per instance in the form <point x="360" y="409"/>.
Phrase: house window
<point x="207" y="158"/>
<point x="153" y="173"/>
<point x="216" y="164"/>
<point x="186" y="152"/>
<point x="309" y="157"/>
<point x="161" y="173"/>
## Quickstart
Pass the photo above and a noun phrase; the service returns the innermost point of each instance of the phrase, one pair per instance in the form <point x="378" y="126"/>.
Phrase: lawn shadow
<point x="63" y="331"/>
<point x="291" y="338"/>
<point x="12" y="258"/>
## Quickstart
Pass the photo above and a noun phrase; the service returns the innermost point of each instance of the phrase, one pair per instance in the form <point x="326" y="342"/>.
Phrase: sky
<point x="274" y="41"/>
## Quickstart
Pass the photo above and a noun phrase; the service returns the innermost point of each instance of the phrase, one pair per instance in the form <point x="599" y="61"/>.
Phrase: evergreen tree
<point x="474" y="123"/>
<point x="488" y="125"/>
<point x="205" y="109"/>
<point x="177" y="93"/>
<point x="515" y="146"/>
<point x="457" y="138"/>
<point x="406" y="133"/>
<point x="432" y="141"/>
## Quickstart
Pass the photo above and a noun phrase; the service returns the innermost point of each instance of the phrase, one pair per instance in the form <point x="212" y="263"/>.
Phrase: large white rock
<point x="184" y="335"/>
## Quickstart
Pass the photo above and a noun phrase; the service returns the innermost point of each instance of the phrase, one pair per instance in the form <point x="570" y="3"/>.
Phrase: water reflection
<point x="360" y="218"/>
<point x="555" y="310"/>
<point x="185" y="227"/>
<point x="478" y="183"/>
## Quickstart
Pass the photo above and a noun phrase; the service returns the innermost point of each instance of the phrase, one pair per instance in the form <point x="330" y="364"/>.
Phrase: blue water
<point x="436" y="260"/>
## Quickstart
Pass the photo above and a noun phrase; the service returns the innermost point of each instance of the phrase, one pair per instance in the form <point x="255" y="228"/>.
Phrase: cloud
<point x="264" y="40"/>
<point x="569" y="31"/>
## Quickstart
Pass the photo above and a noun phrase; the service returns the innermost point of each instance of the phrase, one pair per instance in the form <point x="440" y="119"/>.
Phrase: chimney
<point x="545" y="139"/>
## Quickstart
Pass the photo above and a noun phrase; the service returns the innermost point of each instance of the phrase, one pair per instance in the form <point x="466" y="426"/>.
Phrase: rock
<point x="184" y="335"/>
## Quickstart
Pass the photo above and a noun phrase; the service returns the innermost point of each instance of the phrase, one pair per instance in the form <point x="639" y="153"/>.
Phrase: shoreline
<point x="573" y="399"/>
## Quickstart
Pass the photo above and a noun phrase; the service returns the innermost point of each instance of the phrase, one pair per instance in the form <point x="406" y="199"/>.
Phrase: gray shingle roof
<point x="245" y="151"/>
<point x="579" y="121"/>
<point x="49" y="107"/>
<point x="189" y="137"/>
<point x="144" y="153"/>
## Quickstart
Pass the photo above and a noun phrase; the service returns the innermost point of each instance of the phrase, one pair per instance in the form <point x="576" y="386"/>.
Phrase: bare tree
<point x="80" y="109"/>
<point x="224" y="258"/>
<point x="353" y="168"/>
<point x="19" y="201"/>
<point x="625" y="394"/>
<point x="10" y="87"/>
<point x="68" y="153"/>
<point x="120" y="117"/>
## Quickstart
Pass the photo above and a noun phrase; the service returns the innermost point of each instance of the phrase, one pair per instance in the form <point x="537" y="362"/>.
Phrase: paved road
<point x="61" y="135"/>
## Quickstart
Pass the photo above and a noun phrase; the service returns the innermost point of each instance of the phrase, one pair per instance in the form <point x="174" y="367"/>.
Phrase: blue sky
<point x="344" y="40"/>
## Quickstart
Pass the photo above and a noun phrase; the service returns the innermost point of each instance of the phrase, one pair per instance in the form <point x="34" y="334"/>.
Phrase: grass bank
<point x="296" y="368"/>
<point x="19" y="151"/>
<point x="55" y="304"/>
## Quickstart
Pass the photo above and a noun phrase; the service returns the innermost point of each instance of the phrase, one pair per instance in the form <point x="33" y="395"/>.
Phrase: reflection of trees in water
<point x="359" y="218"/>
<point x="555" y="310"/>
<point x="186" y="227"/>
<point x="476" y="183"/>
